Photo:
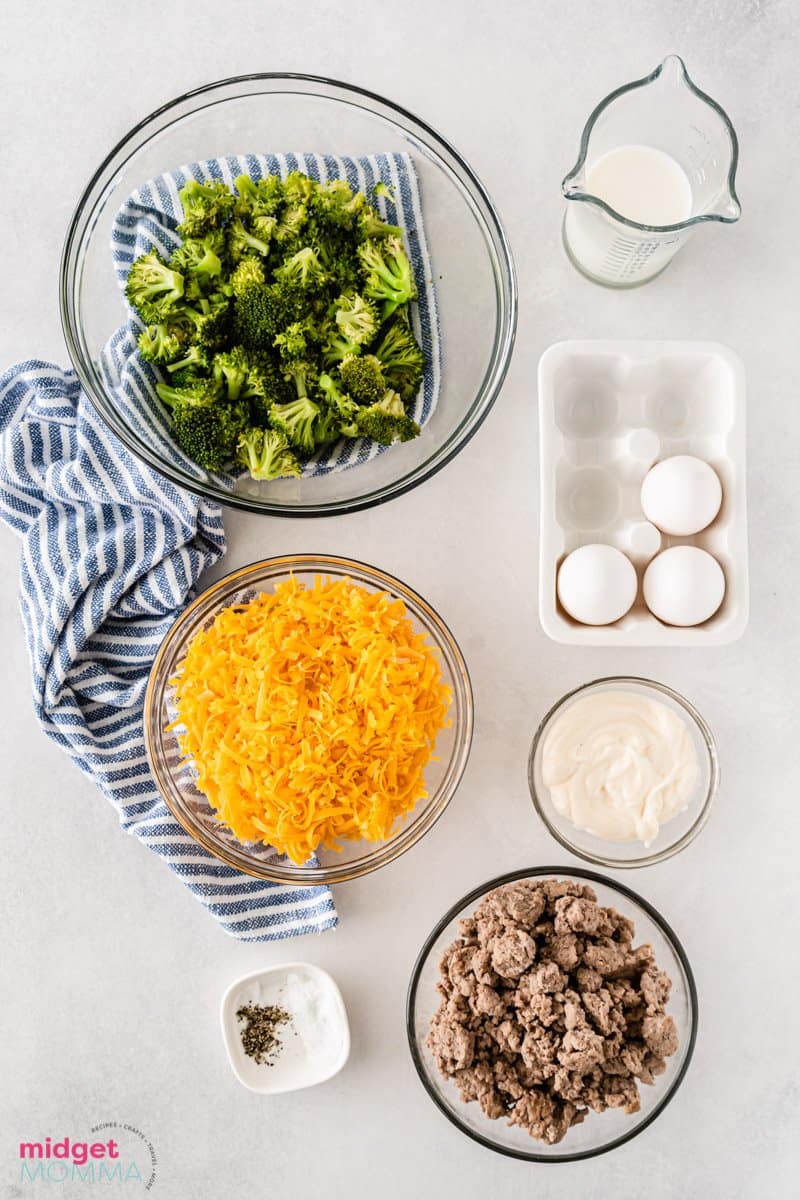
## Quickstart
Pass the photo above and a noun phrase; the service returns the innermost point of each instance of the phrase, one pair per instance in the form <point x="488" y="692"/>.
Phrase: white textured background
<point x="111" y="971"/>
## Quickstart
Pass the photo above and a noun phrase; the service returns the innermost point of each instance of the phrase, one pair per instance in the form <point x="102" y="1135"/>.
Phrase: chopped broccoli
<point x="153" y="288"/>
<point x="280" y="321"/>
<point x="332" y="202"/>
<point x="242" y="243"/>
<point x="295" y="341"/>
<point x="206" y="206"/>
<point x="209" y="317"/>
<point x="387" y="273"/>
<point x="402" y="359"/>
<point x="261" y="312"/>
<point x="266" y="454"/>
<point x="201" y="258"/>
<point x="201" y="391"/>
<point x="362" y="377"/>
<point x="303" y="270"/>
<point x="231" y="369"/>
<point x="290" y="225"/>
<point x="258" y="199"/>
<point x="249" y="273"/>
<point x="206" y="428"/>
<point x="265" y="386"/>
<point x="302" y="374"/>
<point x="296" y="419"/>
<point x="387" y="421"/>
<point x="298" y="188"/>
<point x="356" y="318"/>
<point x="195" y="359"/>
<point x="162" y="342"/>
<point x="336" y="346"/>
<point x="334" y="249"/>
<point x="371" y="225"/>
<point x="338" y="406"/>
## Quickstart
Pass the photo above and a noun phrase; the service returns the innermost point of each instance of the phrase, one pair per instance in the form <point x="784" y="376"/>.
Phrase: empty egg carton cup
<point x="608" y="411"/>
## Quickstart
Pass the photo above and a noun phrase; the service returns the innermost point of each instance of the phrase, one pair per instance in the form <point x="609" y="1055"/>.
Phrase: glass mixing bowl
<point x="674" y="835"/>
<point x="175" y="778"/>
<point x="600" y="1131"/>
<point x="473" y="271"/>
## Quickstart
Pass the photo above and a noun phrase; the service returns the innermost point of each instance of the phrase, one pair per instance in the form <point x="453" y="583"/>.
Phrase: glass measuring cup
<point x="665" y="115"/>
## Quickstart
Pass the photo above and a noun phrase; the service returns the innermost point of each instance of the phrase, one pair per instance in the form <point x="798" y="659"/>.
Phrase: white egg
<point x="597" y="584"/>
<point x="681" y="495"/>
<point x="684" y="586"/>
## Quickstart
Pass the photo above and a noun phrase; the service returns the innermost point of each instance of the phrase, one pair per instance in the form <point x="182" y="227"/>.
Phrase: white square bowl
<point x="303" y="1059"/>
<point x="608" y="411"/>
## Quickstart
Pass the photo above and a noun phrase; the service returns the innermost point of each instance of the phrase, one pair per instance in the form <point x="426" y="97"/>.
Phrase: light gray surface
<point x="112" y="972"/>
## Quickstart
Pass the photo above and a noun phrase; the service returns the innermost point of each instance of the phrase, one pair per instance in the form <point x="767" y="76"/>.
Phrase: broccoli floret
<point x="402" y="359"/>
<point x="336" y="252"/>
<point x="298" y="188"/>
<point x="257" y="317"/>
<point x="266" y="454"/>
<point x="295" y="341"/>
<point x="336" y="346"/>
<point x="291" y="223"/>
<point x="201" y="258"/>
<point x="296" y="419"/>
<point x="231" y="370"/>
<point x="332" y="202"/>
<point x="387" y="421"/>
<point x="303" y="270"/>
<point x="249" y="273"/>
<point x="261" y="312"/>
<point x="362" y="378"/>
<point x="326" y="427"/>
<point x="302" y="374"/>
<point x="387" y="273"/>
<point x="265" y="386"/>
<point x="153" y="288"/>
<point x="371" y="225"/>
<point x="201" y="391"/>
<point x="209" y="319"/>
<point x="258" y="199"/>
<point x="242" y="243"/>
<point x="263" y="227"/>
<point x="206" y="206"/>
<point x="356" y="318"/>
<point x="163" y="342"/>
<point x="206" y="427"/>
<point x="339" y="408"/>
<point x="195" y="359"/>
<point x="383" y="189"/>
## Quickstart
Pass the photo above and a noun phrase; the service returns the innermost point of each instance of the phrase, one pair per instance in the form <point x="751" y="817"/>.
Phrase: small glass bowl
<point x="599" y="1132"/>
<point x="471" y="261"/>
<point x="674" y="835"/>
<point x="175" y="777"/>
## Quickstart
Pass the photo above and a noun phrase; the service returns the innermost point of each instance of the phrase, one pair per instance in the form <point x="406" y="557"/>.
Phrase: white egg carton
<point x="608" y="411"/>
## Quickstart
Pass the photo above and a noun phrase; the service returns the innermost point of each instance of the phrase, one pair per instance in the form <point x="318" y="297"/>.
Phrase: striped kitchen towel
<point x="148" y="220"/>
<point x="111" y="553"/>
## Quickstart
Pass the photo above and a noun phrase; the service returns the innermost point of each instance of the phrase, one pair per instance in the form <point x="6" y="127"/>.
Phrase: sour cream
<point x="619" y="765"/>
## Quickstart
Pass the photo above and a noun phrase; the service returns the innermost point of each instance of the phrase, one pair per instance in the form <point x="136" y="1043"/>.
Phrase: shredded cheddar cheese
<point x="309" y="715"/>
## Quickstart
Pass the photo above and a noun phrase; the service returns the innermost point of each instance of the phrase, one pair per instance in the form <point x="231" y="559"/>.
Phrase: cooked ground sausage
<point x="548" y="1010"/>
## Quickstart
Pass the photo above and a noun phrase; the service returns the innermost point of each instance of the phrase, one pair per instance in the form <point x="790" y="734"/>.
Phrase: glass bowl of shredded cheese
<point x="308" y="719"/>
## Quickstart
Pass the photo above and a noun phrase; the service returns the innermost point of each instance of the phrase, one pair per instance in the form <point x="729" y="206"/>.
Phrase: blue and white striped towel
<point x="148" y="220"/>
<point x="111" y="553"/>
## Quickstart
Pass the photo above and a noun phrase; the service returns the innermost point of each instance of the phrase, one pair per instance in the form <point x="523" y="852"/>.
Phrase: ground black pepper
<point x="259" y="1037"/>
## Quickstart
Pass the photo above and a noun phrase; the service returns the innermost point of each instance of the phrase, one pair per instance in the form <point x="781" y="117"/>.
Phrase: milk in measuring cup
<point x="644" y="185"/>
